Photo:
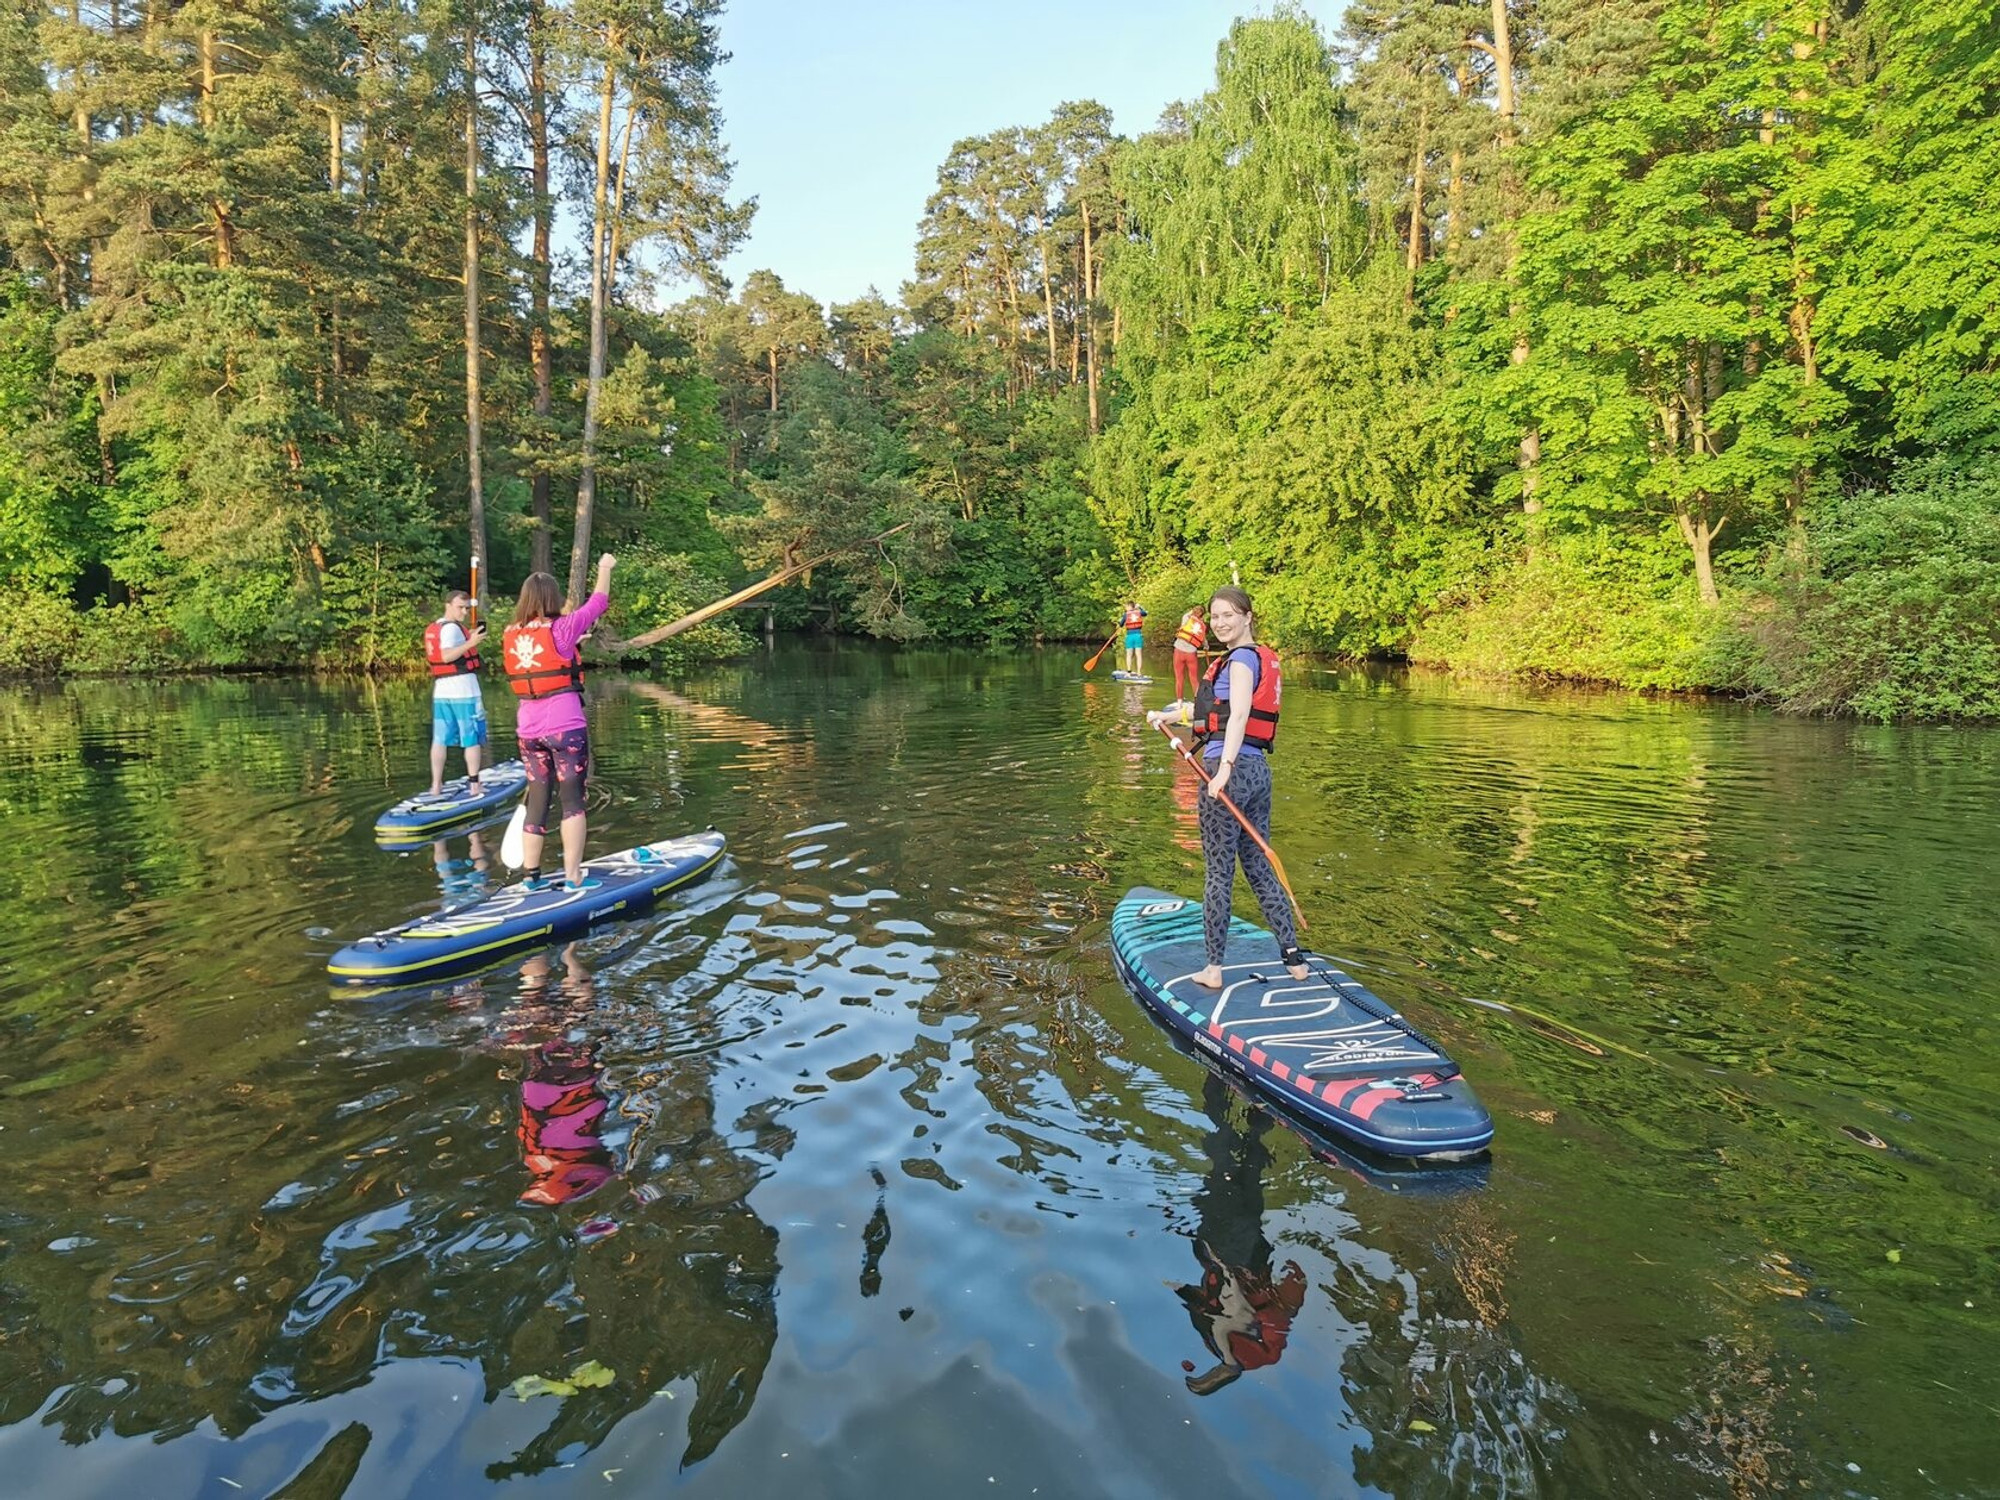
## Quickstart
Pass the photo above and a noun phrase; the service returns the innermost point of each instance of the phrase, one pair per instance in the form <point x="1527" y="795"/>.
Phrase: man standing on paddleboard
<point x="458" y="712"/>
<point x="1134" y="622"/>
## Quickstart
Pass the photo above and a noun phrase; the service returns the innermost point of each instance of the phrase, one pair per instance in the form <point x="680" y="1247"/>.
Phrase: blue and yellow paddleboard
<point x="417" y="819"/>
<point x="1323" y="1048"/>
<point x="471" y="936"/>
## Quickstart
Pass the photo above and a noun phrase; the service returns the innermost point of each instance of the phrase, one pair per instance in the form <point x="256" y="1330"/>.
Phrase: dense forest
<point x="1648" y="341"/>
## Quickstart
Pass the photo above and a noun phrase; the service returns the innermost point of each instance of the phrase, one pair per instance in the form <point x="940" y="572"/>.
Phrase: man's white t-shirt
<point x="462" y="686"/>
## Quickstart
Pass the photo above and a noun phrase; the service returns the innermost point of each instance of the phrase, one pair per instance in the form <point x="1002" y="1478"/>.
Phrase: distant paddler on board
<point x="1189" y="638"/>
<point x="458" y="712"/>
<point x="1133" y="623"/>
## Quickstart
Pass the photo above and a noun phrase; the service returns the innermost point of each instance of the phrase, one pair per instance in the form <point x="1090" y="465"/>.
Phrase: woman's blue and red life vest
<point x="1135" y="618"/>
<point x="1211" y="716"/>
<point x="535" y="669"/>
<point x="434" y="653"/>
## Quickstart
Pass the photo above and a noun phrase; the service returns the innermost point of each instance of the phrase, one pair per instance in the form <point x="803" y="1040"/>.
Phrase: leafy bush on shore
<point x="264" y="627"/>
<point x="1566" y="612"/>
<point x="1896" y="614"/>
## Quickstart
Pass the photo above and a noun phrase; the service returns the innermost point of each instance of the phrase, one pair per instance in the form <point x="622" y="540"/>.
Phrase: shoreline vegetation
<point x="1642" y="342"/>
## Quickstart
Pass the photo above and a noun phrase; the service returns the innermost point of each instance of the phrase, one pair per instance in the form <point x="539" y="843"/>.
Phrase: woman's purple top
<point x="1249" y="657"/>
<point x="544" y="718"/>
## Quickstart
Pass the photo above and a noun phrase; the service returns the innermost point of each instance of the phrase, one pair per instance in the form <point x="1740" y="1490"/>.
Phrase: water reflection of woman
<point x="1241" y="1309"/>
<point x="563" y="1102"/>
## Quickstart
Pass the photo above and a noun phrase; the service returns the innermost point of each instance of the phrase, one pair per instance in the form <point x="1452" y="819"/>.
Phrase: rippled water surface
<point x="857" y="1172"/>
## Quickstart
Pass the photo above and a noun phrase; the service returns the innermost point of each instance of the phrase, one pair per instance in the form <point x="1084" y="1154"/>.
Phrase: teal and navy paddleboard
<point x="422" y="817"/>
<point x="1323" y="1048"/>
<point x="1138" y="677"/>
<point x="468" y="937"/>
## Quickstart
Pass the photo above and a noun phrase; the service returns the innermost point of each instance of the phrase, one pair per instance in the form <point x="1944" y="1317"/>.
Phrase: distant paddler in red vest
<point x="458" y="713"/>
<point x="546" y="674"/>
<point x="1134" y="623"/>
<point x="1236" y="721"/>
<point x="1188" y="641"/>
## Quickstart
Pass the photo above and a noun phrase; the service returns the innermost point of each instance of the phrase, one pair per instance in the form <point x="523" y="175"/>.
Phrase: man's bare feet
<point x="1210" y="978"/>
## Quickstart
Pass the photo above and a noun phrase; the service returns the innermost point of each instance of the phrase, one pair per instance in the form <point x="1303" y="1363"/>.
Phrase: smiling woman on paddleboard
<point x="1236" y="722"/>
<point x="545" y="671"/>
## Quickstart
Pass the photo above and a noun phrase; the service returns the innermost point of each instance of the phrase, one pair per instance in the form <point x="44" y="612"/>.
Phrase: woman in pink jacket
<point x="546" y="673"/>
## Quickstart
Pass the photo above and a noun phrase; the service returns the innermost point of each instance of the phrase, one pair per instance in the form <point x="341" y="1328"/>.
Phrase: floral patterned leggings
<point x="564" y="760"/>
<point x="1223" y="843"/>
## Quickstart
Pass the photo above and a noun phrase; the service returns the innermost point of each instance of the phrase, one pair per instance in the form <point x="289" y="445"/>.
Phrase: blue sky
<point x="838" y="115"/>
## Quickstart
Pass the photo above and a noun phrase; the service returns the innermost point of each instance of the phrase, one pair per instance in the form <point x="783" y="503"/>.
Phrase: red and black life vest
<point x="535" y="669"/>
<point x="1135" y="618"/>
<point x="434" y="653"/>
<point x="1193" y="631"/>
<point x="1211" y="717"/>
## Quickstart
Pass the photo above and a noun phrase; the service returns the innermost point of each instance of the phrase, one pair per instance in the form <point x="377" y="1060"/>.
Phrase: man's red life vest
<point x="1135" y="618"/>
<point x="535" y="669"/>
<point x="1193" y="631"/>
<point x="434" y="653"/>
<point x="1211" y="717"/>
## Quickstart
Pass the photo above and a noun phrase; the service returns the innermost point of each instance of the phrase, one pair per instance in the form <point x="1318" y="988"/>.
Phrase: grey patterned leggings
<point x="1223" y="843"/>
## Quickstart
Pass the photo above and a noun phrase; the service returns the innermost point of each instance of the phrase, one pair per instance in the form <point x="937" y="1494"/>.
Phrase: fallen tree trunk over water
<point x="743" y="596"/>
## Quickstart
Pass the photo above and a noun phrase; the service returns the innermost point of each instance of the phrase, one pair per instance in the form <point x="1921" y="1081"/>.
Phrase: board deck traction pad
<point x="515" y="917"/>
<point x="412" y="819"/>
<point x="1340" y="1076"/>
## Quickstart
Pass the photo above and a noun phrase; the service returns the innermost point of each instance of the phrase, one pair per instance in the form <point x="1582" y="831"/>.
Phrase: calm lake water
<point x="901" y="1194"/>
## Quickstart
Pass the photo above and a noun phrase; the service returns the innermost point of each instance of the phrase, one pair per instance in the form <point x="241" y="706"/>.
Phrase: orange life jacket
<point x="1135" y="618"/>
<point x="1211" y="718"/>
<point x="1193" y="631"/>
<point x="535" y="669"/>
<point x="434" y="653"/>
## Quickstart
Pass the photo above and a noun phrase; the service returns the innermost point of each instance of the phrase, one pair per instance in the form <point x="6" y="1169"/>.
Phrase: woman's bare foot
<point x="1210" y="978"/>
<point x="1298" y="971"/>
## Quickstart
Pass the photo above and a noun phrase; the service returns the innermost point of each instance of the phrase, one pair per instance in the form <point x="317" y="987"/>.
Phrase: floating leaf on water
<point x="540" y="1385"/>
<point x="1867" y="1138"/>
<point x="1417" y="1425"/>
<point x="1894" y="1257"/>
<point x="590" y="1373"/>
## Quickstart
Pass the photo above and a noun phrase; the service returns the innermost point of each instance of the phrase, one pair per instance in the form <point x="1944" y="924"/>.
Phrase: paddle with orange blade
<point x="1277" y="865"/>
<point x="1091" y="665"/>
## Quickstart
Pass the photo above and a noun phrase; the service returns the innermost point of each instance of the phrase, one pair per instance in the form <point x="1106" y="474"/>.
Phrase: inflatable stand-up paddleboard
<point x="415" y="819"/>
<point x="1411" y="1176"/>
<point x="1130" y="677"/>
<point x="467" y="937"/>
<point x="1324" y="1049"/>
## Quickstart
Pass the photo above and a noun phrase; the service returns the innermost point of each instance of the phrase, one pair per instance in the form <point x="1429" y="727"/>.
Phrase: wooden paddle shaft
<point x="1092" y="663"/>
<point x="1277" y="865"/>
